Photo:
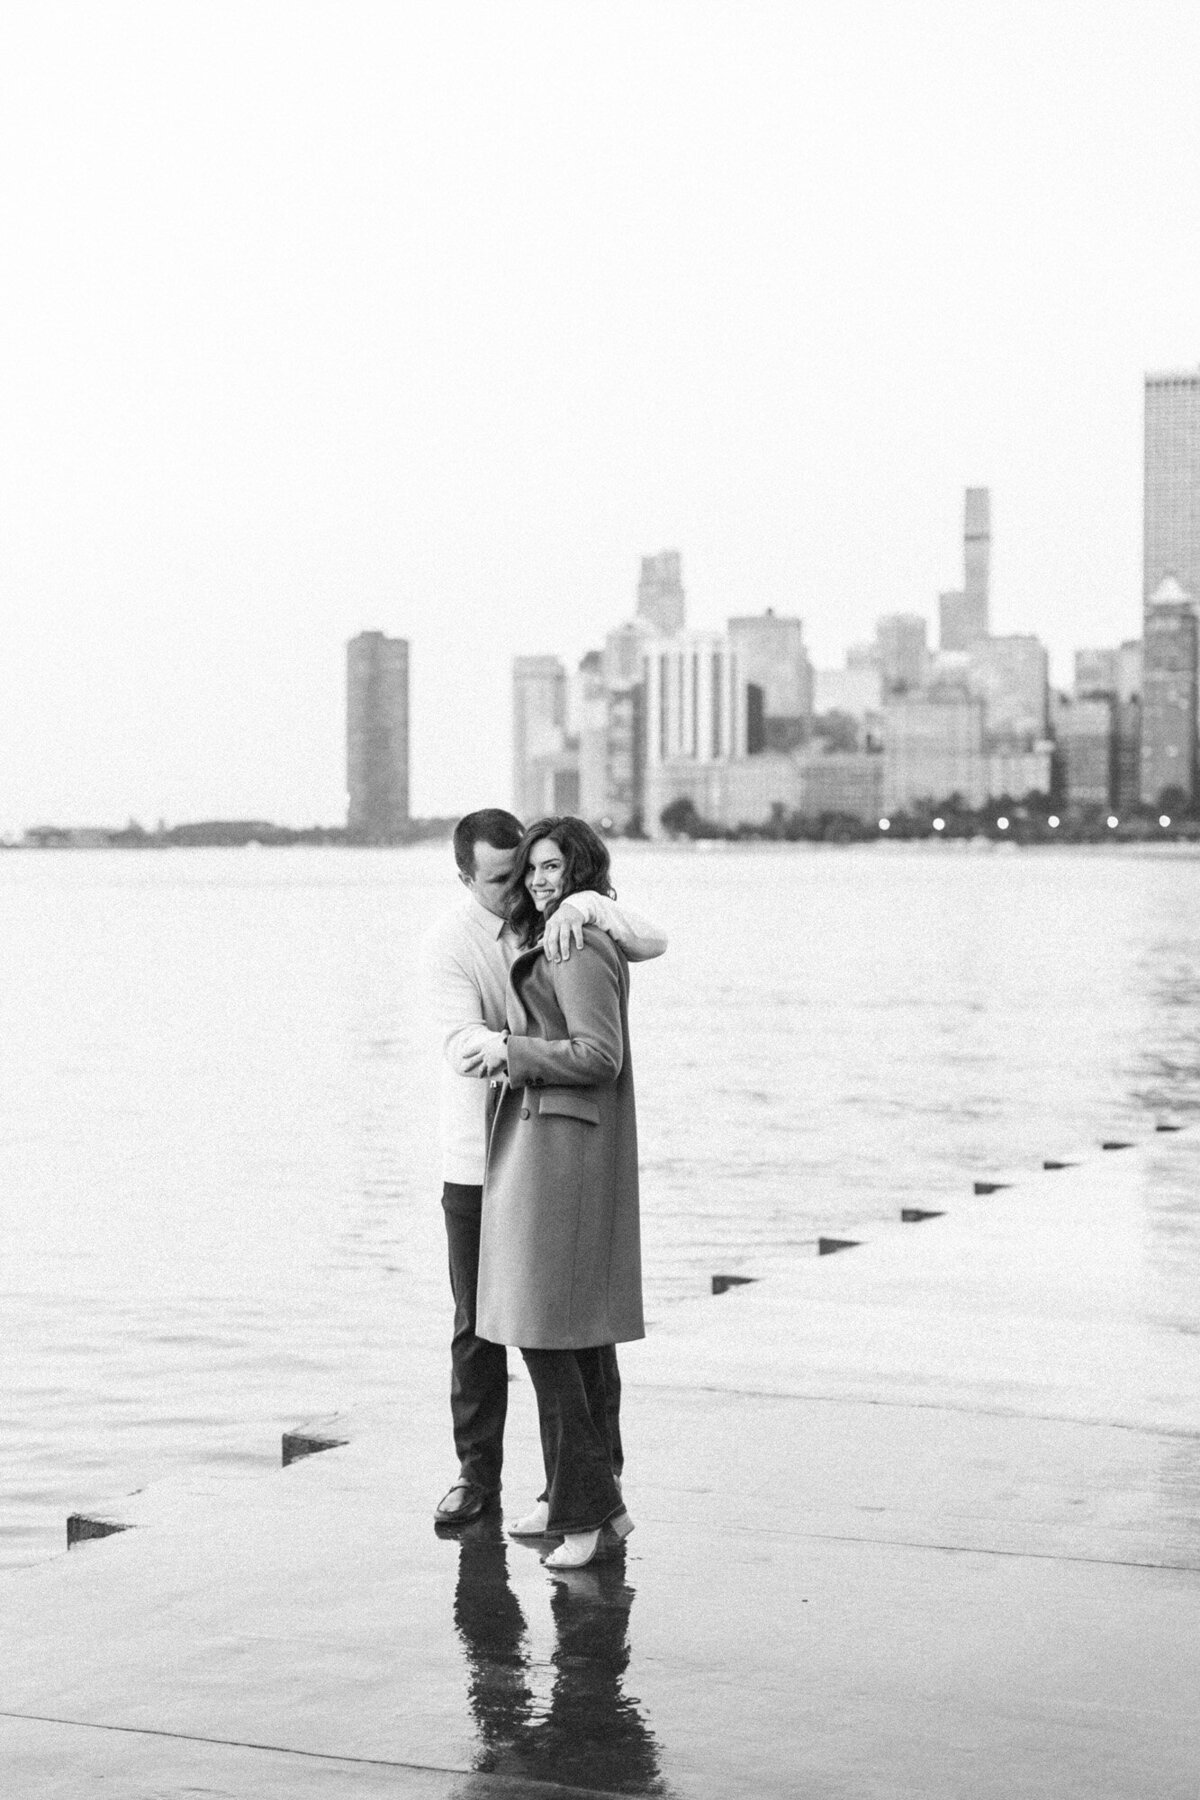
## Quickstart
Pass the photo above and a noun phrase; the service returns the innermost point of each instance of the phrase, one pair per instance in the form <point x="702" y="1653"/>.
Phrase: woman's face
<point x="544" y="873"/>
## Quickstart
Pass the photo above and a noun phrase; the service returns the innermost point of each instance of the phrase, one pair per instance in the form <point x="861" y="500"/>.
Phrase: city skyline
<point x="434" y="321"/>
<point x="736" y="729"/>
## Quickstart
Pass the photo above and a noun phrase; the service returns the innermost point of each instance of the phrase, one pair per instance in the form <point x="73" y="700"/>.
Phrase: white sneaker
<point x="534" y="1522"/>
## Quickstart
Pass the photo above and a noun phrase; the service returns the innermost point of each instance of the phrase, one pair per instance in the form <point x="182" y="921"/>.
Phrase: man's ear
<point x="465" y="879"/>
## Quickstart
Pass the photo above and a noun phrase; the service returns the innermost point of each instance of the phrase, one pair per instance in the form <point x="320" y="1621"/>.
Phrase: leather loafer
<point x="452" y="1509"/>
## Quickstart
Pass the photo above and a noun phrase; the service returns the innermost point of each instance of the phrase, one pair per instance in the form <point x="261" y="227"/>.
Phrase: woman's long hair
<point x="585" y="866"/>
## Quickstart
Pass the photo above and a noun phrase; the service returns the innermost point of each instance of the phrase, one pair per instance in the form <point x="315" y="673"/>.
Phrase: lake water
<point x="218" y="1166"/>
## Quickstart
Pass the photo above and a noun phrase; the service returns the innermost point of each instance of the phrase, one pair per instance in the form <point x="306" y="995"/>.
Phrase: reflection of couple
<point x="530" y="983"/>
<point x="588" y="1733"/>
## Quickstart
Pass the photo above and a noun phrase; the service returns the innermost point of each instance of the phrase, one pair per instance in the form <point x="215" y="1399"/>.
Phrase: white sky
<point x="434" y="318"/>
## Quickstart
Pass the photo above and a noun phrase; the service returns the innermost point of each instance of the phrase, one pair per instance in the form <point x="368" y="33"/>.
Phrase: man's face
<point x="492" y="869"/>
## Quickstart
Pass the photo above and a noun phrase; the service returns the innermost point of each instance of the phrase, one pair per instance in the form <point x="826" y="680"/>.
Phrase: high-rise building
<point x="695" y="705"/>
<point x="590" y="712"/>
<point x="377" y="736"/>
<point x="1171" y="517"/>
<point x="1096" y="672"/>
<point x="778" y="677"/>
<point x="1088" y="745"/>
<point x="933" y="748"/>
<point x="1011" y="675"/>
<point x="660" y="597"/>
<point x="857" y="692"/>
<point x="1129" y="670"/>
<point x="1128" y="792"/>
<point x="1169" y="695"/>
<point x="695" y="715"/>
<point x="963" y="615"/>
<point x="903" y="652"/>
<point x="625" y="698"/>
<point x="545" y="758"/>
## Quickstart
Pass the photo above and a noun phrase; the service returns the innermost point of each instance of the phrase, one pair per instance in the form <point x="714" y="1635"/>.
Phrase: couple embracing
<point x="530" y="982"/>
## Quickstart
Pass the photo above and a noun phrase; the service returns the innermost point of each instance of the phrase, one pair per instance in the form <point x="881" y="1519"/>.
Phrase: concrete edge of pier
<point x="916" y="1518"/>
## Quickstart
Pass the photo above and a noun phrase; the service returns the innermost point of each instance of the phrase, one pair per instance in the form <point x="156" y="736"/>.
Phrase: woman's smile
<point x="544" y="873"/>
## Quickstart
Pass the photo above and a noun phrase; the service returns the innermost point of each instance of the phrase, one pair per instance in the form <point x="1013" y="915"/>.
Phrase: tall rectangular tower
<point x="1171" y="491"/>
<point x="660" y="597"/>
<point x="1169" y="710"/>
<point x="903" y="653"/>
<point x="377" y="736"/>
<point x="545" y="758"/>
<point x="963" y="617"/>
<point x="773" y="665"/>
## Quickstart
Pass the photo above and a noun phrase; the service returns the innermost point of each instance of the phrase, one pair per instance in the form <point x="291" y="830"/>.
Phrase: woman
<point x="560" y="1251"/>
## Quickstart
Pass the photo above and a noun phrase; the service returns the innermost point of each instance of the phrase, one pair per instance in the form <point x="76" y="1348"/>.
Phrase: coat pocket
<point x="566" y="1103"/>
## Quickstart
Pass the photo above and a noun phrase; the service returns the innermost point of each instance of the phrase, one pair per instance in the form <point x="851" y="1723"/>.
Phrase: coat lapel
<point x="518" y="1014"/>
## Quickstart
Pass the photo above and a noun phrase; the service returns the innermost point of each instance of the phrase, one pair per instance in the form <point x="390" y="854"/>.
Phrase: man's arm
<point x="456" y="1007"/>
<point x="638" y="937"/>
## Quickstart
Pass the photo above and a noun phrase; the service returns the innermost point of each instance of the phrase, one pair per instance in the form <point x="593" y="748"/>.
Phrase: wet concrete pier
<point x="919" y="1519"/>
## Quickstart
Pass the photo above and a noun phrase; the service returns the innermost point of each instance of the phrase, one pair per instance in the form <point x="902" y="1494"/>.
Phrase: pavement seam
<point x="519" y="1785"/>
<point x="887" y="1543"/>
<point x="633" y="1385"/>
<point x="723" y="1528"/>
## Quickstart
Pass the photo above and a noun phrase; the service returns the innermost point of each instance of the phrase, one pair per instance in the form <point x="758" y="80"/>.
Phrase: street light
<point x="885" y="824"/>
<point x="1052" y="821"/>
<point x="1002" y="824"/>
<point x="1112" y="821"/>
<point x="939" y="824"/>
<point x="1164" y="820"/>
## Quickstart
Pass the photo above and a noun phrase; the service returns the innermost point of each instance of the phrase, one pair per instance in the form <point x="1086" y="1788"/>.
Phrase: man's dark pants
<point x="479" y="1370"/>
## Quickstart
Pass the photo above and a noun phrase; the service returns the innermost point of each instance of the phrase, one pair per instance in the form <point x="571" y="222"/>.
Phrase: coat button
<point x="524" y="1112"/>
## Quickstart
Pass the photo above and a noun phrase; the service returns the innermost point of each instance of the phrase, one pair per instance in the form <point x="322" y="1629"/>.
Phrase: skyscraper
<point x="933" y="748"/>
<point x="963" y="616"/>
<point x="1170" y="580"/>
<point x="1171" y="519"/>
<point x="377" y="736"/>
<point x="778" y="677"/>
<point x="660" y="596"/>
<point x="545" y="759"/>
<point x="903" y="652"/>
<point x="1087" y="743"/>
<point x="1012" y="675"/>
<point x="1169" y="696"/>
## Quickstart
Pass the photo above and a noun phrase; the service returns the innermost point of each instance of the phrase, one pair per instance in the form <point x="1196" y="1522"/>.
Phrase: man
<point x="467" y="957"/>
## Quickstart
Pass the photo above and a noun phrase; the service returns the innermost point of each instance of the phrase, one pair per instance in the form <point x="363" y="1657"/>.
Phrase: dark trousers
<point x="478" y="1370"/>
<point x="580" y="1435"/>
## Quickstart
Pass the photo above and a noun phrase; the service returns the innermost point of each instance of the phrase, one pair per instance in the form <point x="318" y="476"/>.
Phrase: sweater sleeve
<point x="640" y="938"/>
<point x="588" y="990"/>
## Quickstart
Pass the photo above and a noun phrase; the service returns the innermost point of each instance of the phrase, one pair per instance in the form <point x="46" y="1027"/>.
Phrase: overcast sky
<point x="434" y="318"/>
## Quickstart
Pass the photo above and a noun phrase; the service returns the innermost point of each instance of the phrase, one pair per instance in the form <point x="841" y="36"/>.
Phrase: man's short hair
<point x="490" y="825"/>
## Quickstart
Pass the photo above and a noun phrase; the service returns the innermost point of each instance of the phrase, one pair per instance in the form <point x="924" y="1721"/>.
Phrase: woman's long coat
<point x="560" y="1249"/>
